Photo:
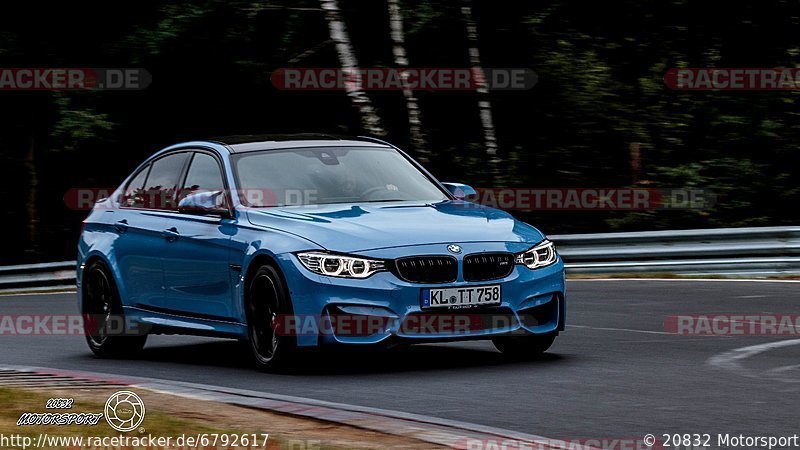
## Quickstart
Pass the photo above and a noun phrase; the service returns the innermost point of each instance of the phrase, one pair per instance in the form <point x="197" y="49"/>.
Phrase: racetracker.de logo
<point x="518" y="199"/>
<point x="387" y="79"/>
<point x="73" y="79"/>
<point x="733" y="324"/>
<point x="732" y="79"/>
<point x="609" y="199"/>
<point x="649" y="442"/>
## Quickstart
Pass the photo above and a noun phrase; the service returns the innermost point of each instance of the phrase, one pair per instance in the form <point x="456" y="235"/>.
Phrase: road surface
<point x="615" y="372"/>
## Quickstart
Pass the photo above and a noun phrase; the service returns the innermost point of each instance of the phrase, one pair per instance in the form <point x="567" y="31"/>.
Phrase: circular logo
<point x="453" y="248"/>
<point x="124" y="411"/>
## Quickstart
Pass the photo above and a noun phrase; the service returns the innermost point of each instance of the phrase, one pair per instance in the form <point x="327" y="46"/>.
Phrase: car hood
<point x="370" y="226"/>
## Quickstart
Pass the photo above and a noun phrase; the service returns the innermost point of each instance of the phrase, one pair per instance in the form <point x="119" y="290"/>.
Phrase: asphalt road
<point x="615" y="372"/>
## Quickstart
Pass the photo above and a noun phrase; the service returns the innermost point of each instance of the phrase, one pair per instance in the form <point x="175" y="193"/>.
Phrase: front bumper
<point x="384" y="309"/>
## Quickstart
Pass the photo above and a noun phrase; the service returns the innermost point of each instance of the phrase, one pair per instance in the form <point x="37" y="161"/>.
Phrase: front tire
<point x="267" y="302"/>
<point x="103" y="316"/>
<point x="523" y="347"/>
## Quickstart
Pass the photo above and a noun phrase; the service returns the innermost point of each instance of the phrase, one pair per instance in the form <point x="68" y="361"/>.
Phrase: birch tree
<point x="370" y="120"/>
<point x="33" y="185"/>
<point x="417" y="137"/>
<point x="484" y="105"/>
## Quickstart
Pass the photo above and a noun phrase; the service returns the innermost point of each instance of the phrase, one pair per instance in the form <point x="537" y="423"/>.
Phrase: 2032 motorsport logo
<point x="124" y="411"/>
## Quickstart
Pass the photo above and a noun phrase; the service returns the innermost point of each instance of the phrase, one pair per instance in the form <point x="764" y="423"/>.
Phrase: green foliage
<point x="75" y="127"/>
<point x="600" y="91"/>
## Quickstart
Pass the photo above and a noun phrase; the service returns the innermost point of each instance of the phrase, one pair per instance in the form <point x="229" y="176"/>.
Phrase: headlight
<point x="340" y="266"/>
<point x="542" y="255"/>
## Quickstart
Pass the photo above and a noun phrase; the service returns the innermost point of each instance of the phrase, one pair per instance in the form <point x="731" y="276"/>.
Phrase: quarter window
<point x="133" y="197"/>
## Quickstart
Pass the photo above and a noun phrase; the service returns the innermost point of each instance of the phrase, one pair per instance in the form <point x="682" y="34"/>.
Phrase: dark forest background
<point x="600" y="92"/>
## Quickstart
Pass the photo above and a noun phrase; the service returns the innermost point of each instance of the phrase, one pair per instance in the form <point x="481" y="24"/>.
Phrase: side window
<point x="134" y="191"/>
<point x="203" y="175"/>
<point x="163" y="181"/>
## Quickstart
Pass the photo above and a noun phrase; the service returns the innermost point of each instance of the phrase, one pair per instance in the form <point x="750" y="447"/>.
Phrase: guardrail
<point x="763" y="251"/>
<point x="755" y="252"/>
<point x="46" y="276"/>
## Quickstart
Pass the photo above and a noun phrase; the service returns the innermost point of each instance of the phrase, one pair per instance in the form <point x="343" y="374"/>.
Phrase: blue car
<point x="299" y="242"/>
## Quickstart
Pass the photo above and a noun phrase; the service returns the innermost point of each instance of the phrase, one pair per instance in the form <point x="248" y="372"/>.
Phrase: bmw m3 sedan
<point x="300" y="242"/>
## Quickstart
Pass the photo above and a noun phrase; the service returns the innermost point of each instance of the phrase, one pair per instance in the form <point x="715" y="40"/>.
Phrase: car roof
<point x="251" y="143"/>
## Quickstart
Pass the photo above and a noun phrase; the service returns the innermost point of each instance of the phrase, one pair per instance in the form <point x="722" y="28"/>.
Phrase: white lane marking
<point x="726" y="320"/>
<point x="620" y="329"/>
<point x="732" y="360"/>
<point x="690" y="280"/>
<point x="778" y="373"/>
<point x="25" y="294"/>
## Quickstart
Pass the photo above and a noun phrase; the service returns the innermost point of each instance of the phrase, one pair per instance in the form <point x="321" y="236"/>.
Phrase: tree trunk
<point x="485" y="106"/>
<point x="348" y="62"/>
<point x="636" y="162"/>
<point x="417" y="137"/>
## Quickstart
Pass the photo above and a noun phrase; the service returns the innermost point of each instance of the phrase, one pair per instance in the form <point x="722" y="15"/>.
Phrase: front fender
<point x="253" y="244"/>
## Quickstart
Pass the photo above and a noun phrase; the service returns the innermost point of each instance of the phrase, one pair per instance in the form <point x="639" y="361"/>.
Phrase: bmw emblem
<point x="453" y="248"/>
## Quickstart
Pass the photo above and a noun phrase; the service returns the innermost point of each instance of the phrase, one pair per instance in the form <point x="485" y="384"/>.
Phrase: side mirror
<point x="212" y="202"/>
<point x="461" y="191"/>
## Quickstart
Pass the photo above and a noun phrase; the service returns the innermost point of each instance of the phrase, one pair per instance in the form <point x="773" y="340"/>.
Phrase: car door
<point x="139" y="224"/>
<point x="197" y="274"/>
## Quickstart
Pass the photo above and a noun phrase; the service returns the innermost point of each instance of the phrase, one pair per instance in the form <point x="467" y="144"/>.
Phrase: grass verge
<point x="172" y="416"/>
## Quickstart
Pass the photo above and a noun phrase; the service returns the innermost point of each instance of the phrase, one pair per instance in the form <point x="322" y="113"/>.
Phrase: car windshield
<point x="328" y="175"/>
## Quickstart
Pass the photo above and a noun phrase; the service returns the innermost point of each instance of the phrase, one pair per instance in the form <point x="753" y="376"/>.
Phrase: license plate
<point x="462" y="296"/>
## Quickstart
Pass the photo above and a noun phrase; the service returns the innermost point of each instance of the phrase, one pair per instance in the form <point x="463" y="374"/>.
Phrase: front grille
<point x="427" y="269"/>
<point x="488" y="266"/>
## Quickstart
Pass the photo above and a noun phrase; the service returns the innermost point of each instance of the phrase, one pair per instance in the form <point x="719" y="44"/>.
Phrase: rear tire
<point x="103" y="314"/>
<point x="523" y="347"/>
<point x="267" y="301"/>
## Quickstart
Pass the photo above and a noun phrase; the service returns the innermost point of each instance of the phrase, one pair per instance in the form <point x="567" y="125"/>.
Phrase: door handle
<point x="121" y="226"/>
<point x="171" y="234"/>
